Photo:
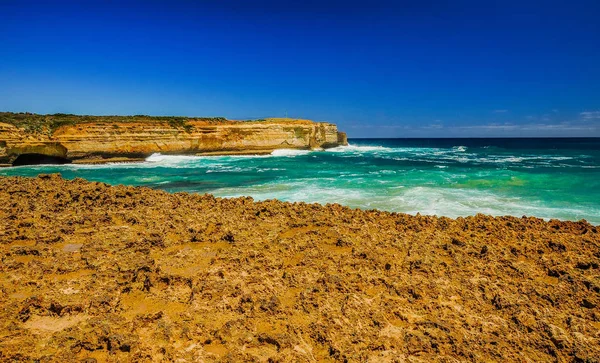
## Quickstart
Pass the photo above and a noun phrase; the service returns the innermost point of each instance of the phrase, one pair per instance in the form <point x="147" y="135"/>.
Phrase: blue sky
<point x="376" y="68"/>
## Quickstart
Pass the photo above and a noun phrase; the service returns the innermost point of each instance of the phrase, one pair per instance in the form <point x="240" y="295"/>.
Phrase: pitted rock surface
<point x="93" y="272"/>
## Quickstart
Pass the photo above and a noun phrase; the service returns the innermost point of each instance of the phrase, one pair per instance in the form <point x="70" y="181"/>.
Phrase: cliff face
<point x="9" y="136"/>
<point x="102" y="140"/>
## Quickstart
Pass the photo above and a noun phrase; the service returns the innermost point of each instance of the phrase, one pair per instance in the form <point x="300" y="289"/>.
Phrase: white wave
<point x="192" y="161"/>
<point x="383" y="172"/>
<point x="547" y="157"/>
<point x="227" y="169"/>
<point x="509" y="160"/>
<point x="289" y="152"/>
<point x="460" y="148"/>
<point x="428" y="200"/>
<point x="158" y="158"/>
<point x="311" y="190"/>
<point x="237" y="157"/>
<point x="262" y="170"/>
<point x="454" y="203"/>
<point x="540" y="160"/>
<point x="355" y="148"/>
<point x="557" y="157"/>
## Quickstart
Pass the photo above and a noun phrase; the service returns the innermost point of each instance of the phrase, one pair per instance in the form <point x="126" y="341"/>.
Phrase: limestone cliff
<point x="98" y="141"/>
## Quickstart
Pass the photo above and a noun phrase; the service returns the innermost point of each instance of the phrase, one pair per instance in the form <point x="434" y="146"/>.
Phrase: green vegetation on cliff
<point x="34" y="123"/>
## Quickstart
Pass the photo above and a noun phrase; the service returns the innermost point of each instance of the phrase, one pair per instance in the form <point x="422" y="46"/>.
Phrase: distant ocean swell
<point x="547" y="178"/>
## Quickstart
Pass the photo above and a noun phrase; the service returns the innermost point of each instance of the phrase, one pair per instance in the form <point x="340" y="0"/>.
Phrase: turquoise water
<point x="548" y="178"/>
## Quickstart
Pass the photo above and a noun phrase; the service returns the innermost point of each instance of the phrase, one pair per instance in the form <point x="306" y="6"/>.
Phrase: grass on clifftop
<point x="34" y="123"/>
<point x="47" y="124"/>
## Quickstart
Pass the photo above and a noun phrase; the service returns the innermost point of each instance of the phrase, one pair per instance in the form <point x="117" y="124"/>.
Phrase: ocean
<point x="547" y="178"/>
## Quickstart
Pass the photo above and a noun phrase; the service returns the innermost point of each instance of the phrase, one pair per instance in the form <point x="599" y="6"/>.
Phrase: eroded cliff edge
<point x="69" y="138"/>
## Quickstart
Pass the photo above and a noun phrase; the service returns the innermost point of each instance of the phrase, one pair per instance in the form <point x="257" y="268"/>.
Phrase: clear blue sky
<point x="376" y="68"/>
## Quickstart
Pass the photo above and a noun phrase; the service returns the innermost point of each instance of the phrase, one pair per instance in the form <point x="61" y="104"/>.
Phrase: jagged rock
<point x="100" y="273"/>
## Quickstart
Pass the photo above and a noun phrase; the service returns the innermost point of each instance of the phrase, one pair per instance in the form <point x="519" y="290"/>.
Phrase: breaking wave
<point x="290" y="152"/>
<point x="356" y="148"/>
<point x="160" y="158"/>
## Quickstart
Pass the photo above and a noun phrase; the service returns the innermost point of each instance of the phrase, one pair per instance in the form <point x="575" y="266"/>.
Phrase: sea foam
<point x="290" y="152"/>
<point x="160" y="158"/>
<point x="355" y="148"/>
<point x="434" y="177"/>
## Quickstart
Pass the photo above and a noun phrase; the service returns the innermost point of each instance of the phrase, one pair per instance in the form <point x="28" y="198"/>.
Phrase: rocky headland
<point x="91" y="272"/>
<point x="33" y="139"/>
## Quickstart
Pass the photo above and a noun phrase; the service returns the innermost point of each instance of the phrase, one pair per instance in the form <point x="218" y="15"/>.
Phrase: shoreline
<point x="416" y="214"/>
<point x="128" y="273"/>
<point x="102" y="160"/>
<point x="120" y="159"/>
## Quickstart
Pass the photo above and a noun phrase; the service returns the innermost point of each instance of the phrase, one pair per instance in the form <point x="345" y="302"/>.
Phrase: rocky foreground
<point x="92" y="272"/>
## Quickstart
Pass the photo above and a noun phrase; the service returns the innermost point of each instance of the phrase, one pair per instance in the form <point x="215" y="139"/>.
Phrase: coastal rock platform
<point x="91" y="272"/>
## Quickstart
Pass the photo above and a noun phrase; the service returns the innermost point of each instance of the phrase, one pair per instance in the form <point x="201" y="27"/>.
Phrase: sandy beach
<point x="91" y="271"/>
